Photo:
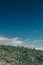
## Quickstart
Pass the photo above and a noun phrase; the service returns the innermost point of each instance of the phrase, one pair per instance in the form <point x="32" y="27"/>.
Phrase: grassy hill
<point x="10" y="55"/>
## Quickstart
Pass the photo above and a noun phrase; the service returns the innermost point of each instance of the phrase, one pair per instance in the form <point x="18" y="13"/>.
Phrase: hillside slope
<point x="10" y="55"/>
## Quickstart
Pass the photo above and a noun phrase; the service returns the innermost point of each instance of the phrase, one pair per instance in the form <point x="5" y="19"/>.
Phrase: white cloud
<point x="39" y="48"/>
<point x="10" y="41"/>
<point x="19" y="42"/>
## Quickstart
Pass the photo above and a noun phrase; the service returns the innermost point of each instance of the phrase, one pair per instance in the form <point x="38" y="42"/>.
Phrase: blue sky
<point x="21" y="18"/>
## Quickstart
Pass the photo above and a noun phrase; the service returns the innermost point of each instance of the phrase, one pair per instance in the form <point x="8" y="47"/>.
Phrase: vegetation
<point x="10" y="55"/>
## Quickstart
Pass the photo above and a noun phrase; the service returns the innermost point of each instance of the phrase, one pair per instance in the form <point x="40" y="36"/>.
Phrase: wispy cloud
<point x="33" y="43"/>
<point x="19" y="42"/>
<point x="35" y="31"/>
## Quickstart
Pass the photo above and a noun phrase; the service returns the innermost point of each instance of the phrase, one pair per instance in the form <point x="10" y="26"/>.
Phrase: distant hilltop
<point x="11" y="55"/>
